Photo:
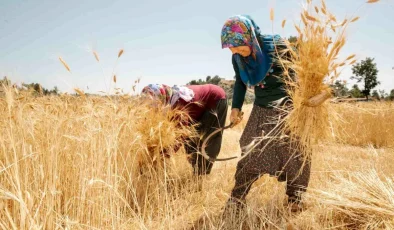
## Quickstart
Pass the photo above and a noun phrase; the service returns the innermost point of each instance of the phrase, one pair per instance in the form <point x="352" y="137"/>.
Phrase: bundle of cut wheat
<point x="161" y="131"/>
<point x="316" y="65"/>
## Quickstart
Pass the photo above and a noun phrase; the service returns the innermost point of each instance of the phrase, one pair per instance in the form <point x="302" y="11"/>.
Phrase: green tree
<point x="355" y="92"/>
<point x="340" y="89"/>
<point x="55" y="91"/>
<point x="192" y="82"/>
<point x="215" y="80"/>
<point x="208" y="80"/>
<point x="37" y="88"/>
<point x="366" y="72"/>
<point x="383" y="94"/>
<point x="375" y="94"/>
<point x="391" y="96"/>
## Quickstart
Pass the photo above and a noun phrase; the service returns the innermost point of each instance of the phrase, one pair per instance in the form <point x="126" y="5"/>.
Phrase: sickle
<point x="204" y="143"/>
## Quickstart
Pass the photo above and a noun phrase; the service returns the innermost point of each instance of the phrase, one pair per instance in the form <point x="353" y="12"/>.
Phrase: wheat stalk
<point x="283" y="23"/>
<point x="65" y="64"/>
<point x="96" y="56"/>
<point x="120" y="53"/>
<point x="355" y="19"/>
<point x="272" y="14"/>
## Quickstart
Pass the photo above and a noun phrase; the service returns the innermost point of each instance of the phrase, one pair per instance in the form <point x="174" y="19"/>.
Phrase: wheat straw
<point x="283" y="23"/>
<point x="355" y="19"/>
<point x="315" y="62"/>
<point x="272" y="14"/>
<point x="79" y="91"/>
<point x="120" y="53"/>
<point x="64" y="64"/>
<point x="90" y="160"/>
<point x="96" y="56"/>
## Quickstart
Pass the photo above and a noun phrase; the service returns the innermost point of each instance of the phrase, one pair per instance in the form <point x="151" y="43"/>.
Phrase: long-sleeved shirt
<point x="205" y="99"/>
<point x="272" y="90"/>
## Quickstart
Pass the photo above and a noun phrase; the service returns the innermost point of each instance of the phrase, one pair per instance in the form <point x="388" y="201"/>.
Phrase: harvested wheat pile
<point x="363" y="200"/>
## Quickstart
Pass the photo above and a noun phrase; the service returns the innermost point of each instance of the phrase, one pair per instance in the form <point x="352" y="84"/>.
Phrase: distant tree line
<point x="364" y="72"/>
<point x="35" y="88"/>
<point x="208" y="80"/>
<point x="340" y="90"/>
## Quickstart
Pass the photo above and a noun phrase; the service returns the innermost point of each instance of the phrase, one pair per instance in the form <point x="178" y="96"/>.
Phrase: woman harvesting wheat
<point x="255" y="61"/>
<point x="206" y="106"/>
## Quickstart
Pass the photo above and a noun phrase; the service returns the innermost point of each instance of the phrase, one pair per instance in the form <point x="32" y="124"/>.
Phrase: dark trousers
<point x="278" y="158"/>
<point x="209" y="122"/>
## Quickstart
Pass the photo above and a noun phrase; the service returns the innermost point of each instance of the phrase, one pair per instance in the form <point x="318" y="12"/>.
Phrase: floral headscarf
<point x="182" y="92"/>
<point x="241" y="30"/>
<point x="160" y="91"/>
<point x="167" y="94"/>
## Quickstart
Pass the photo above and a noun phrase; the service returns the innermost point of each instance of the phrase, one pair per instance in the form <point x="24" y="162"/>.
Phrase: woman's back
<point x="205" y="98"/>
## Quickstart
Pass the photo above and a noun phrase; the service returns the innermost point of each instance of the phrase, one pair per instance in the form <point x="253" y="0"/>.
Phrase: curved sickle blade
<point x="204" y="145"/>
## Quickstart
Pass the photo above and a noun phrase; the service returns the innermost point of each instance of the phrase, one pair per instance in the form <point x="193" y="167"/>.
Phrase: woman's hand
<point x="318" y="99"/>
<point x="235" y="117"/>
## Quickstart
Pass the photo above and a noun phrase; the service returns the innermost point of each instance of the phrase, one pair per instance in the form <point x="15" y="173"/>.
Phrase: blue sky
<point x="170" y="42"/>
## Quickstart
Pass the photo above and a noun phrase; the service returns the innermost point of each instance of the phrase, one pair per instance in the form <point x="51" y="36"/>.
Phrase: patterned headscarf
<point x="160" y="91"/>
<point x="182" y="92"/>
<point x="241" y="30"/>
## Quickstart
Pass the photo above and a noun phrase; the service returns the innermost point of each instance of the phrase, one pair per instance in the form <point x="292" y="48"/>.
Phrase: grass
<point x="93" y="163"/>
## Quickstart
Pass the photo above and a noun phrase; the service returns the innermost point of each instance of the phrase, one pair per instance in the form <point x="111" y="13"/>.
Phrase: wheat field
<point x="71" y="162"/>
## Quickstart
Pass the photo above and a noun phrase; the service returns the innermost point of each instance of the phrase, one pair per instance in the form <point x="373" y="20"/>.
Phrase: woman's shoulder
<point x="270" y="39"/>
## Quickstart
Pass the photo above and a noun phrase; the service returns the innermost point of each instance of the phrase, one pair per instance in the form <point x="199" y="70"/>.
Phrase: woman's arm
<point x="239" y="92"/>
